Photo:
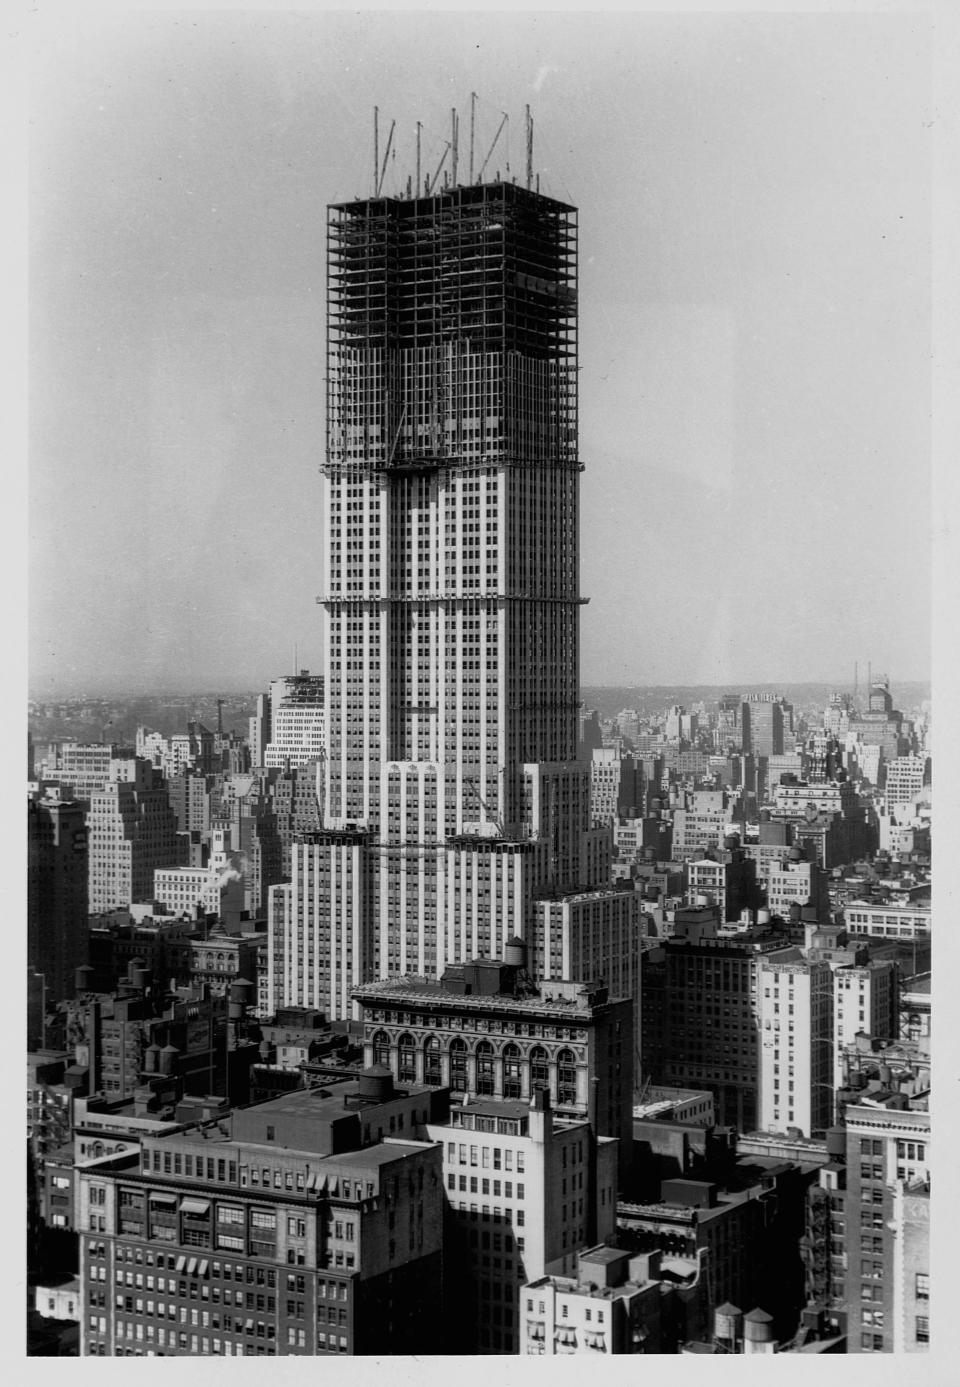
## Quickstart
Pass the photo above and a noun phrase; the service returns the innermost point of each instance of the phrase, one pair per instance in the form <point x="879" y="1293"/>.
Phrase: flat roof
<point x="327" y="1100"/>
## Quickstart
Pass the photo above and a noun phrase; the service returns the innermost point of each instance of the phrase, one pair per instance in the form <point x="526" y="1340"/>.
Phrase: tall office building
<point x="296" y="721"/>
<point x="57" y="896"/>
<point x="132" y="832"/>
<point x="450" y="504"/>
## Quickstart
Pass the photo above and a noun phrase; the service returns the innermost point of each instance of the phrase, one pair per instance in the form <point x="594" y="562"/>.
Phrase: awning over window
<point x="195" y="1206"/>
<point x="162" y="1198"/>
<point x="191" y="1266"/>
<point x="181" y="1263"/>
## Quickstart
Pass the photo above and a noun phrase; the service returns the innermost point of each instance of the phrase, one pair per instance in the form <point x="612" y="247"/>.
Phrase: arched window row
<point x="507" y="1058"/>
<point x="502" y="1049"/>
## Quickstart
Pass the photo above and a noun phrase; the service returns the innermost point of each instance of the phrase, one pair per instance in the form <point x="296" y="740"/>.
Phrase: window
<point x="923" y="1286"/>
<point x="485" y="1068"/>
<point x="922" y="1329"/>
<point x="381" y="1049"/>
<point x="432" y="1073"/>
<point x="407" y="1059"/>
<point x="511" y="1071"/>
<point x="458" y="1063"/>
<point x="566" y="1077"/>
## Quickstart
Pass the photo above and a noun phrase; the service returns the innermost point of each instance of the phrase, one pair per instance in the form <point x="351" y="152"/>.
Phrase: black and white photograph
<point x="481" y="529"/>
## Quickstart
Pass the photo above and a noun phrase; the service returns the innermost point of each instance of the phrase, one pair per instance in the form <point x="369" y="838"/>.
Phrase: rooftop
<point x="583" y="1000"/>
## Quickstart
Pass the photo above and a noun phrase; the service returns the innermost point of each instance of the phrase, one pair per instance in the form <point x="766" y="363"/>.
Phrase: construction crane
<point x="495" y="819"/>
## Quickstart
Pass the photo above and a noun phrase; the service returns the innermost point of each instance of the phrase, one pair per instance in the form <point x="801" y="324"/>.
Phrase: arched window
<point x="539" y="1068"/>
<point x="432" y="1073"/>
<point x="511" y="1071"/>
<point x="458" y="1064"/>
<point x="407" y="1059"/>
<point x="485" y="1067"/>
<point x="566" y="1077"/>
<point x="381" y="1048"/>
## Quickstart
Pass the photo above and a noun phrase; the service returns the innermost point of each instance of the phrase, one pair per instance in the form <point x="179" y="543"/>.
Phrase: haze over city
<point x="755" y="314"/>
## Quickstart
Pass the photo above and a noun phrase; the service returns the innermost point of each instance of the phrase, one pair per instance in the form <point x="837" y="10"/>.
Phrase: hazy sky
<point x="754" y="195"/>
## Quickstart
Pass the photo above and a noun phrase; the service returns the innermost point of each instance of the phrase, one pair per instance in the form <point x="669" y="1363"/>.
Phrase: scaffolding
<point x="452" y="331"/>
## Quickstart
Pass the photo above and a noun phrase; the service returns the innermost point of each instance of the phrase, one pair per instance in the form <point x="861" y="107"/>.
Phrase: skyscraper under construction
<point x="452" y="797"/>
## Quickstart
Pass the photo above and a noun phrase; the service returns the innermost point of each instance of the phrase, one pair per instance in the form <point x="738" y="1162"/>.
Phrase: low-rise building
<point x="888" y="919"/>
<point x="286" y="1228"/>
<point x="615" y="1303"/>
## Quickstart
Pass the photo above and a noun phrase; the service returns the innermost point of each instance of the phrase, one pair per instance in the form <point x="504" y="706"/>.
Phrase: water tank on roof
<point x="758" y="1327"/>
<point x="83" y="978"/>
<point x="376" y="1084"/>
<point x="836" y="1142"/>
<point x="141" y="978"/>
<point x="168" y="1059"/>
<point x="763" y="917"/>
<point x="515" y="952"/>
<point x="727" y="1322"/>
<point x="241" y="994"/>
<point x="151" y="1059"/>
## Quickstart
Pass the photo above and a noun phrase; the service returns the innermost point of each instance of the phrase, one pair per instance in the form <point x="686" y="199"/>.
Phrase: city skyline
<point x="757" y="245"/>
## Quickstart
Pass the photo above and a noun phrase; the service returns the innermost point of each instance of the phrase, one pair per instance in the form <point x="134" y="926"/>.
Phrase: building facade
<point x="526" y="1190"/>
<point x="483" y="1033"/>
<point x="133" y="831"/>
<point x="796" y="1063"/>
<point x="57" y="896"/>
<point x="278" y="1231"/>
<point x="888" y="1229"/>
<point x="450" y="498"/>
<point x="296" y="721"/>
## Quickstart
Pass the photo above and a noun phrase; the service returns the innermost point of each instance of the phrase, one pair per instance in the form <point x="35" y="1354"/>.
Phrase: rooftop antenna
<point x="454" y="144"/>
<point x="418" y="184"/>
<point x="473" y="108"/>
<point x="492" y="147"/>
<point x="529" y="149"/>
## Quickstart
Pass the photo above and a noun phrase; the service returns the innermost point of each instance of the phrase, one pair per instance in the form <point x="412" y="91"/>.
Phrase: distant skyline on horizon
<point x="754" y="198"/>
<point x="234" y="691"/>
